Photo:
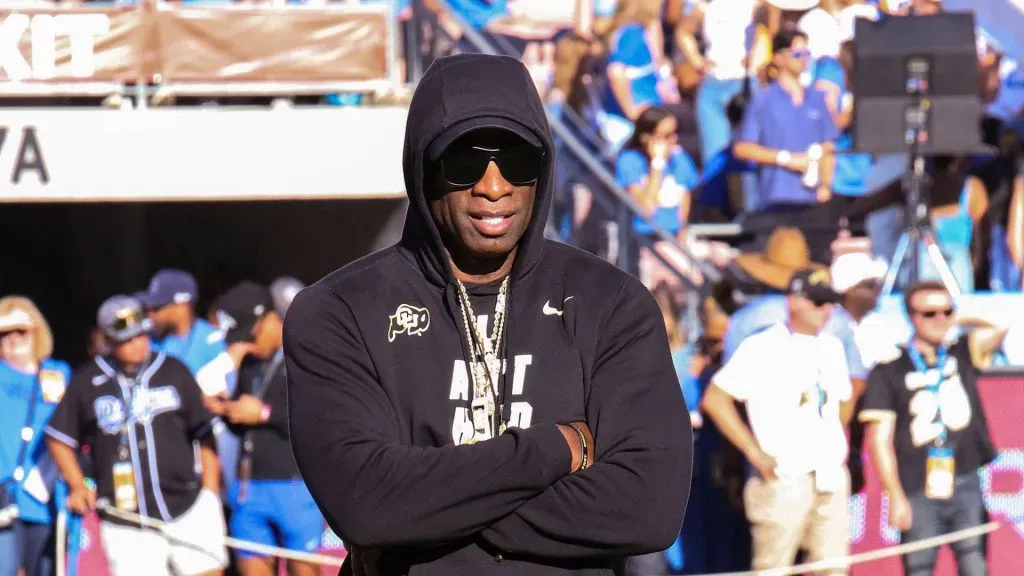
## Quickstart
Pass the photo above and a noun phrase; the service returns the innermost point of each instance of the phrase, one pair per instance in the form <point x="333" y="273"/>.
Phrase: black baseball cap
<point x="460" y="129"/>
<point x="814" y="284"/>
<point x="240" y="308"/>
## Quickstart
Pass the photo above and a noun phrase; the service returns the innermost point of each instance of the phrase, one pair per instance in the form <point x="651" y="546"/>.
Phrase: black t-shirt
<point x="897" y="390"/>
<point x="164" y="412"/>
<point x="271" y="445"/>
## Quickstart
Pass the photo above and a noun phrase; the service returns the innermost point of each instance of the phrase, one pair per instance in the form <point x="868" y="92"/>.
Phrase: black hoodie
<point x="379" y="393"/>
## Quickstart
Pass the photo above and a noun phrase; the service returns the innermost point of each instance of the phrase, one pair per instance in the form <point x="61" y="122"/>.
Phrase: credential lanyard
<point x="259" y="389"/>
<point x="27" y="433"/>
<point x="128" y="393"/>
<point x="922" y="367"/>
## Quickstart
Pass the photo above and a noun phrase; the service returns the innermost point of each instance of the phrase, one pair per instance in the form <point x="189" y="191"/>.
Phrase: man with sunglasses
<point x="786" y="131"/>
<point x="139" y="413"/>
<point x="792" y="378"/>
<point x="928" y="435"/>
<point x="477" y="399"/>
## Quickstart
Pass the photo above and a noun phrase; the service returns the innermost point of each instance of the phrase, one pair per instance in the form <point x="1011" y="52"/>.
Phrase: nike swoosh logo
<point x="551" y="311"/>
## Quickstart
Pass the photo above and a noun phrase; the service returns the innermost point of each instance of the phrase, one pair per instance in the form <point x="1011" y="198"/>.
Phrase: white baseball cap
<point x="848" y="270"/>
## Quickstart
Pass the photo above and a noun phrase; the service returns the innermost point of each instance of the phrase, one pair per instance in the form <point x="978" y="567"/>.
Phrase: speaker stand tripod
<point x="918" y="236"/>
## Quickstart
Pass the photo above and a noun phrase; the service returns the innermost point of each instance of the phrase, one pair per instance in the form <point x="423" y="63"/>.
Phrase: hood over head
<point x="456" y="94"/>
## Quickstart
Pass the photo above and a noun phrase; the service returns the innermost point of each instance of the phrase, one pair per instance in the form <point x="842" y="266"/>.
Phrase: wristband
<point x="583" y="448"/>
<point x="264" y="413"/>
<point x="658" y="163"/>
<point x="783" y="157"/>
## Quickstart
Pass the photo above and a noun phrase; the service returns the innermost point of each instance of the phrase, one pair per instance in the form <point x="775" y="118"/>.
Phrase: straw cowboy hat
<point x="784" y="253"/>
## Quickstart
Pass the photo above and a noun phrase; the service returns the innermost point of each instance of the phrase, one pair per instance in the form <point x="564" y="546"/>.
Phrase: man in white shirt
<point x="792" y="378"/>
<point x="728" y="31"/>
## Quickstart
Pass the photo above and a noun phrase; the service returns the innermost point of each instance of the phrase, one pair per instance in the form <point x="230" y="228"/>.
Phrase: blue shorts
<point x="276" y="513"/>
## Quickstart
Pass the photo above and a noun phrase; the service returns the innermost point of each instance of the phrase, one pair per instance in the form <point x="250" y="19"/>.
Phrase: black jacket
<point x="375" y="405"/>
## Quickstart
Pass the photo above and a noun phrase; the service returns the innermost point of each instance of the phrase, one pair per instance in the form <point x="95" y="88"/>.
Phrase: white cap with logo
<point x="851" y="269"/>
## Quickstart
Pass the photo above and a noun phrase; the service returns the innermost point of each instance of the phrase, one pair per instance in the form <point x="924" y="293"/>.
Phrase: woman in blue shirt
<point x="31" y="385"/>
<point x="633" y="69"/>
<point x="659" y="175"/>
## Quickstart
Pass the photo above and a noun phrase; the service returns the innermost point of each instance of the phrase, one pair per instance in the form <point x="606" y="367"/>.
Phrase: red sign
<point x="1002" y="481"/>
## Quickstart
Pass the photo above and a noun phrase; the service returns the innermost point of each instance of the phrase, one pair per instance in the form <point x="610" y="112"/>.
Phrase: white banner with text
<point x="88" y="155"/>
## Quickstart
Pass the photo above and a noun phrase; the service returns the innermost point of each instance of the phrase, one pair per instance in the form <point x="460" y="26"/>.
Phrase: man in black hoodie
<point x="443" y="391"/>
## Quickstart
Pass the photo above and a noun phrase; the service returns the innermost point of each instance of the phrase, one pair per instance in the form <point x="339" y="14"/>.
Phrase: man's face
<point x="482" y="193"/>
<point x="132" y="351"/>
<point x="931" y="314"/>
<point x="810" y="312"/>
<point x="865" y="293"/>
<point x="16" y="343"/>
<point x="794" y="59"/>
<point x="267" y="335"/>
<point x="165" y="317"/>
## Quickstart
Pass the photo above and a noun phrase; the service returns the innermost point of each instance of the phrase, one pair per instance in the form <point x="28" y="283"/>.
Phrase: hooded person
<point x="547" y="433"/>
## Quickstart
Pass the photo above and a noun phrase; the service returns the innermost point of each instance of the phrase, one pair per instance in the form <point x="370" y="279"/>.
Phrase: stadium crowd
<point x="705" y="111"/>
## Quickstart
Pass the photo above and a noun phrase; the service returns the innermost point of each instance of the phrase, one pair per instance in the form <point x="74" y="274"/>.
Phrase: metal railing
<point x="625" y="207"/>
<point x="155" y="47"/>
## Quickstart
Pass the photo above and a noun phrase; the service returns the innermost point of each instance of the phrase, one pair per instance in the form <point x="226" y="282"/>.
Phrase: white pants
<point x="192" y="544"/>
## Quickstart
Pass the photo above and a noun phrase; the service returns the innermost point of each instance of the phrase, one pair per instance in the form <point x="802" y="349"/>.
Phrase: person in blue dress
<point x="31" y="385"/>
<point x="633" y="70"/>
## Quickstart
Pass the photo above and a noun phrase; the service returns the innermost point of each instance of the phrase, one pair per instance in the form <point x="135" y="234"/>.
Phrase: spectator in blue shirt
<point x="787" y="131"/>
<point x="659" y="175"/>
<point x="632" y="70"/>
<point x="479" y="13"/>
<point x="31" y="385"/>
<point x="832" y="76"/>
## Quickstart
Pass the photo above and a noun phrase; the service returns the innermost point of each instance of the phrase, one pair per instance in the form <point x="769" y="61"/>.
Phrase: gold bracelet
<point x="583" y="447"/>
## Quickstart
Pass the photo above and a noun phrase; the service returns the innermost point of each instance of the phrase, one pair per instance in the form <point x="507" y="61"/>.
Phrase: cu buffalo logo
<point x="408" y="320"/>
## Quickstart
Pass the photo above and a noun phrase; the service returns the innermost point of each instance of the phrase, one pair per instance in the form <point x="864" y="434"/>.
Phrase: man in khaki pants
<point x="792" y="378"/>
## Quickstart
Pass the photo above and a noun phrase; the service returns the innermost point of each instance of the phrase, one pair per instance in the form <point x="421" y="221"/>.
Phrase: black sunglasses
<point x="948" y="312"/>
<point x="464" y="166"/>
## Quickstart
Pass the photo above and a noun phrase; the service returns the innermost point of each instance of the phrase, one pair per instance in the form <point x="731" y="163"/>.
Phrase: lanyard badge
<point x="126" y="496"/>
<point x="940" y="471"/>
<point x="940" y="467"/>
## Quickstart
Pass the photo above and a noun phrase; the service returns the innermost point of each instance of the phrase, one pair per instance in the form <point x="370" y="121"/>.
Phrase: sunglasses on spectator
<point x="945" y="313"/>
<point x="802" y="54"/>
<point x="520" y="164"/>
